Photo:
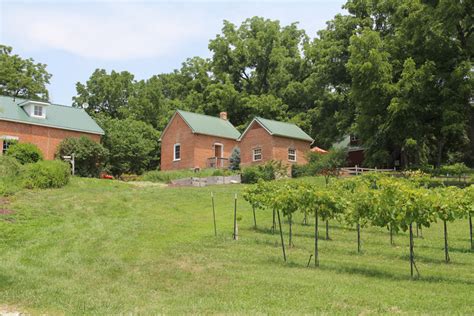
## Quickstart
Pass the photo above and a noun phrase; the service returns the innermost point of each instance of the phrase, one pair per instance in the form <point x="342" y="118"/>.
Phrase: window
<point x="257" y="154"/>
<point x="177" y="152"/>
<point x="7" y="143"/>
<point x="291" y="154"/>
<point x="38" y="110"/>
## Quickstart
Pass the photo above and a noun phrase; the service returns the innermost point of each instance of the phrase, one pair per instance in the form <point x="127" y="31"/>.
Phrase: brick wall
<point x="273" y="147"/>
<point x="195" y="148"/>
<point x="282" y="144"/>
<point x="204" y="148"/>
<point x="177" y="132"/>
<point x="46" y="138"/>
<point x="256" y="137"/>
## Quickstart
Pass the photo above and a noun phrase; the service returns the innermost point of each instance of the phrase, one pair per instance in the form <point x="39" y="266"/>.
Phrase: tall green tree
<point x="105" y="93"/>
<point x="22" y="78"/>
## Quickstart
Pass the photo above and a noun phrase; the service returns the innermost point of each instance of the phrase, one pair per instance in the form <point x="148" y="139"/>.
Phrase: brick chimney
<point x="223" y="115"/>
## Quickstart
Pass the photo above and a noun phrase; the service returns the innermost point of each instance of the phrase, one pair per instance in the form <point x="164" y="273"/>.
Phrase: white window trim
<point x="42" y="111"/>
<point x="253" y="154"/>
<point x="174" y="152"/>
<point x="292" y="160"/>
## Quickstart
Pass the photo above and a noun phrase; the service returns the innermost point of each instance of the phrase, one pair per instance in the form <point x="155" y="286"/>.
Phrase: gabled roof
<point x="278" y="128"/>
<point x="345" y="143"/>
<point x="57" y="116"/>
<point x="206" y="125"/>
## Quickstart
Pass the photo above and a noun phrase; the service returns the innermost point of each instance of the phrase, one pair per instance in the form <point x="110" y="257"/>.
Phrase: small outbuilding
<point x="265" y="140"/>
<point x="192" y="140"/>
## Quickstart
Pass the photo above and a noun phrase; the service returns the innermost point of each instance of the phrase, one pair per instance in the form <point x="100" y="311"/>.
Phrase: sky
<point x="143" y="37"/>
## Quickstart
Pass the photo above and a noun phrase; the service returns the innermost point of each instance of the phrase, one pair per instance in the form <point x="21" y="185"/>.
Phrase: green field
<point x="105" y="247"/>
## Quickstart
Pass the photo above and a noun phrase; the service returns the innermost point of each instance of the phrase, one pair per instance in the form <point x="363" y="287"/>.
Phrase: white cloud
<point x="103" y="31"/>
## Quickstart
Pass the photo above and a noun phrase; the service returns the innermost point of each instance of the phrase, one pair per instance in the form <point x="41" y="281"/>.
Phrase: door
<point x="218" y="150"/>
<point x="218" y="153"/>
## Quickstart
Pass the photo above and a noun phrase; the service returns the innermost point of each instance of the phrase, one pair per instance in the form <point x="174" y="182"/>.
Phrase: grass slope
<point x="106" y="247"/>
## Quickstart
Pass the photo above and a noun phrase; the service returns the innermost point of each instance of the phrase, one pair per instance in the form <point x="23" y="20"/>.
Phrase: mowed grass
<point x="104" y="247"/>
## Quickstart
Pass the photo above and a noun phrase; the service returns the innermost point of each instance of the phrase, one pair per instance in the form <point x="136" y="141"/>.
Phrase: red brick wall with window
<point x="195" y="148"/>
<point x="177" y="132"/>
<point x="273" y="147"/>
<point x="46" y="138"/>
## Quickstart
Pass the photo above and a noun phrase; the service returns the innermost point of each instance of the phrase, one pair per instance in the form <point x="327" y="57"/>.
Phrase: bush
<point x="268" y="171"/>
<point x="10" y="170"/>
<point x="234" y="159"/>
<point x="9" y="167"/>
<point x="133" y="146"/>
<point x="89" y="155"/>
<point x="25" y="152"/>
<point x="46" y="174"/>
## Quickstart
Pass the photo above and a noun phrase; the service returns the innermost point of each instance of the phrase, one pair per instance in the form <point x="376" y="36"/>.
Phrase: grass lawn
<point x="104" y="247"/>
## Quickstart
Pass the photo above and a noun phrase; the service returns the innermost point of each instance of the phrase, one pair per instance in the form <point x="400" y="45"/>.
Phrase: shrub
<point x="25" y="152"/>
<point x="46" y="174"/>
<point x="89" y="156"/>
<point x="268" y="171"/>
<point x="133" y="146"/>
<point x="10" y="170"/>
<point x="9" y="167"/>
<point x="234" y="159"/>
<point x="457" y="169"/>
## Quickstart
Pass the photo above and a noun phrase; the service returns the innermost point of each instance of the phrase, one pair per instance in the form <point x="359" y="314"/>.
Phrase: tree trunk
<point x="274" y="223"/>
<point x="470" y="230"/>
<point x="439" y="154"/>
<point x="214" y="214"/>
<point x="290" y="233"/>
<point x="281" y="236"/>
<point x="235" y="218"/>
<point x="446" y="251"/>
<point x="327" y="229"/>
<point x="412" y="260"/>
<point x="391" y="234"/>
<point x="358" y="237"/>
<point x="254" y="217"/>
<point x="316" y="252"/>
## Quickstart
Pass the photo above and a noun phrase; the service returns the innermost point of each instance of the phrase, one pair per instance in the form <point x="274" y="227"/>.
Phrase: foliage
<point x="9" y="167"/>
<point x="22" y="78"/>
<point x="133" y="146"/>
<point x="457" y="169"/>
<point x="268" y="171"/>
<point x="398" y="74"/>
<point x="89" y="156"/>
<point x="25" y="152"/>
<point x="46" y="174"/>
<point x="322" y="164"/>
<point x="234" y="159"/>
<point x="10" y="170"/>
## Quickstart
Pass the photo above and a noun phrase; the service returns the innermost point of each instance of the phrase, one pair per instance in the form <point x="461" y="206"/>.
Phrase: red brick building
<point x="43" y="124"/>
<point x="265" y="140"/>
<point x="192" y="140"/>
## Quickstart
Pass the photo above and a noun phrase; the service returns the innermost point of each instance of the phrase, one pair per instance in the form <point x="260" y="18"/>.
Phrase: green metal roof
<point x="209" y="125"/>
<point x="57" y="116"/>
<point x="283" y="129"/>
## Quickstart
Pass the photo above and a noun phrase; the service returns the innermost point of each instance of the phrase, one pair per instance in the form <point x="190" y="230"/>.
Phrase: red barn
<point x="43" y="124"/>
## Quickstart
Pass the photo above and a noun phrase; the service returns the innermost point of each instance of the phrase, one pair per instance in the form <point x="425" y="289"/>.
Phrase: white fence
<point x="354" y="171"/>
